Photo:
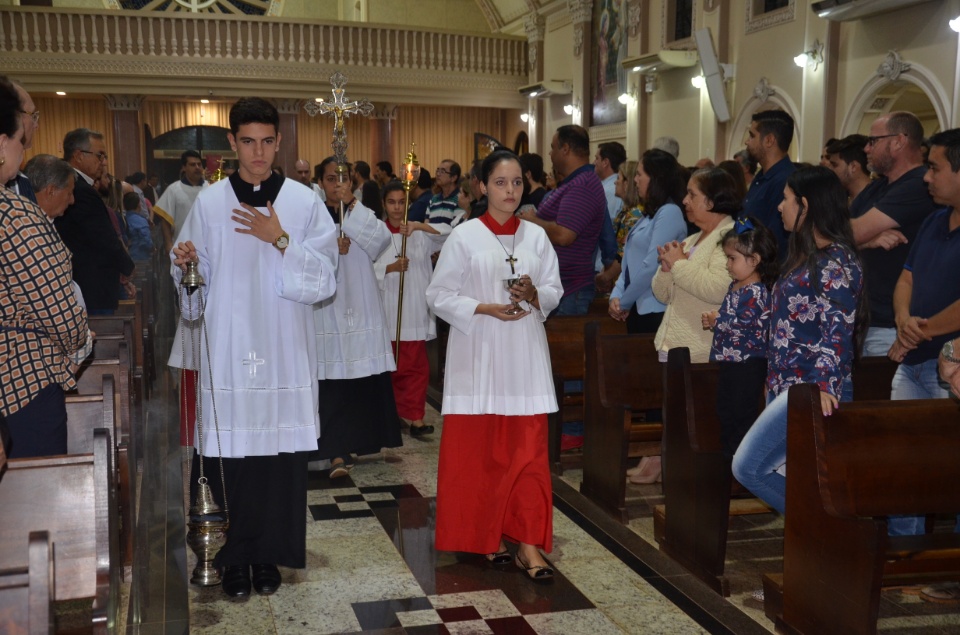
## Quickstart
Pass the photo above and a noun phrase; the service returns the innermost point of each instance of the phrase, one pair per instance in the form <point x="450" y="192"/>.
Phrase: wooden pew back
<point x="26" y="594"/>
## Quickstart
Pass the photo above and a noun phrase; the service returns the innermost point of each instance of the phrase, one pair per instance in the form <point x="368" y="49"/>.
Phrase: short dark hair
<point x="576" y="138"/>
<point x="949" y="140"/>
<point x="775" y="122"/>
<point x="77" y="140"/>
<point x="614" y="152"/>
<point x="253" y="110"/>
<point x="10" y="107"/>
<point x="533" y="163"/>
<point x="135" y="178"/>
<point x="424" y="181"/>
<point x="131" y="201"/>
<point x="454" y="168"/>
<point x="44" y="170"/>
<point x="362" y="168"/>
<point x="850" y="149"/>
<point x="190" y="154"/>
<point x="734" y="169"/>
<point x="720" y="189"/>
<point x="906" y="123"/>
<point x="386" y="167"/>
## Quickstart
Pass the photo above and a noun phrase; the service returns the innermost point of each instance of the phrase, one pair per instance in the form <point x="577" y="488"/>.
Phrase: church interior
<point x="451" y="79"/>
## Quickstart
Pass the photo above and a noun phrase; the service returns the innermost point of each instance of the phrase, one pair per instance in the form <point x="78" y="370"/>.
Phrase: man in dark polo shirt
<point x="926" y="300"/>
<point x="768" y="140"/>
<point x="886" y="217"/>
<point x="572" y="215"/>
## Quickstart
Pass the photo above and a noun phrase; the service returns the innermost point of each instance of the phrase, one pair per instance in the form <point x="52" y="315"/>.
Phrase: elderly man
<point x="443" y="206"/>
<point x="99" y="258"/>
<point x="30" y="118"/>
<point x="573" y="217"/>
<point x="887" y="215"/>
<point x="53" y="181"/>
<point x="303" y="175"/>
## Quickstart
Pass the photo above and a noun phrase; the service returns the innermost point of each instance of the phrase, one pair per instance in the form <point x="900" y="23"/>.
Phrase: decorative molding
<point x="287" y="106"/>
<point x="634" y="11"/>
<point x="687" y="43"/>
<point x="387" y="111"/>
<point x="609" y="132"/>
<point x="763" y="91"/>
<point x="532" y="55"/>
<point x="757" y="20"/>
<point x="124" y="102"/>
<point x="489" y="9"/>
<point x="892" y="66"/>
<point x="581" y="14"/>
<point x="535" y="26"/>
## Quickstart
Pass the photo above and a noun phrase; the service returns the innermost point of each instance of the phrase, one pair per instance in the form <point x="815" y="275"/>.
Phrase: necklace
<point x="394" y="244"/>
<point x="510" y="258"/>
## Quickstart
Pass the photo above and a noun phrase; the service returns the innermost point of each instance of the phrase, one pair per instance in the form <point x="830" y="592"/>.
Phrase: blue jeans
<point x="576" y="303"/>
<point x="761" y="459"/>
<point x="878" y="341"/>
<point x="919" y="381"/>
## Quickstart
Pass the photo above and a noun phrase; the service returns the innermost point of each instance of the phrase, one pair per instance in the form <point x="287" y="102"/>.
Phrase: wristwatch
<point x="947" y="353"/>
<point x="282" y="242"/>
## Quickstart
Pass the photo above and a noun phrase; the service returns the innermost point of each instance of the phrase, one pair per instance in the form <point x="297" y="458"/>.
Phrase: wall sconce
<point x="568" y="109"/>
<point x="524" y="117"/>
<point x="697" y="81"/>
<point x="813" y="57"/>
<point x="628" y="98"/>
<point x="573" y="108"/>
<point x="955" y="24"/>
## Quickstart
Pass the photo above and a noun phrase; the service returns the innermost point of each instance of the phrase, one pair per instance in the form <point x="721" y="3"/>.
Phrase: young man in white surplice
<point x="357" y="411"/>
<point x="267" y="250"/>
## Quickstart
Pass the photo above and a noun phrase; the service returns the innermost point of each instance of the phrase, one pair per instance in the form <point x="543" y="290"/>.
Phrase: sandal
<point x="537" y="573"/>
<point x="339" y="468"/>
<point x="500" y="557"/>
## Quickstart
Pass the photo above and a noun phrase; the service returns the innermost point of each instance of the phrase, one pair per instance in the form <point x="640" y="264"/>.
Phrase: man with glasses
<point x="887" y="215"/>
<point x="99" y="258"/>
<point x="444" y="206"/>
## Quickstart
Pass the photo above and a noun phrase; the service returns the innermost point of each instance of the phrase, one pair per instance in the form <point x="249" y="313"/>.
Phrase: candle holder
<point x="410" y="174"/>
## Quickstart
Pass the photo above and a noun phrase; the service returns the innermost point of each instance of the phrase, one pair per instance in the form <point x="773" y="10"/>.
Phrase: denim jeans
<point x="576" y="303"/>
<point x="760" y="461"/>
<point x="878" y="341"/>
<point x="919" y="381"/>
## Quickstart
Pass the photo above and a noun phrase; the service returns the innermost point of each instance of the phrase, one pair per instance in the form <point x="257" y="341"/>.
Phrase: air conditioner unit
<point x="845" y="10"/>
<point x="546" y="88"/>
<point x="659" y="62"/>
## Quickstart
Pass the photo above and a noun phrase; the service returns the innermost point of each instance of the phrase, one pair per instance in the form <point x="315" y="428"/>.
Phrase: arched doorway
<point x="895" y="96"/>
<point x="163" y="152"/>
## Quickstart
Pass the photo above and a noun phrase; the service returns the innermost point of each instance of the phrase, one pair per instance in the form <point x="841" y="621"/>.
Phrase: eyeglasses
<point x="101" y="156"/>
<point x="35" y="115"/>
<point x="442" y="171"/>
<point x="872" y="141"/>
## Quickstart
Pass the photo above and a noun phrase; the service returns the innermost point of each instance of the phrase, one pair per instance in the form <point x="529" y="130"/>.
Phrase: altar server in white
<point x="493" y="481"/>
<point x="357" y="411"/>
<point x="417" y="324"/>
<point x="267" y="250"/>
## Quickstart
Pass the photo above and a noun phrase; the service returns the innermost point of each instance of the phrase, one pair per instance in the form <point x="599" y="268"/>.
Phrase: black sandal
<point x="537" y="573"/>
<point x="500" y="557"/>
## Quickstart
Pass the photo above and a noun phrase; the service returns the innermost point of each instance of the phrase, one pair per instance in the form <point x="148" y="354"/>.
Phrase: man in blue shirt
<point x="926" y="300"/>
<point x="768" y="141"/>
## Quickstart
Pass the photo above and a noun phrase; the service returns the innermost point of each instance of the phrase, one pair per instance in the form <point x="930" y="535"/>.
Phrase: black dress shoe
<point x="236" y="581"/>
<point x="419" y="431"/>
<point x="266" y="578"/>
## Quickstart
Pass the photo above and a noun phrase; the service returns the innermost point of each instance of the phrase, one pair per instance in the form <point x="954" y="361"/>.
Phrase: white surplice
<point x="418" y="323"/>
<point x="351" y="329"/>
<point x="258" y="320"/>
<point x="495" y="367"/>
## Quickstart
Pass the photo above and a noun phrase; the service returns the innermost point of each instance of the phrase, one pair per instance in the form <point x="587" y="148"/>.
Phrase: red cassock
<point x="410" y="379"/>
<point x="493" y="480"/>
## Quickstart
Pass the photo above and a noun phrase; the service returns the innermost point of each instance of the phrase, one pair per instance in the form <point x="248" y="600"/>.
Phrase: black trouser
<point x="646" y="323"/>
<point x="40" y="427"/>
<point x="739" y="391"/>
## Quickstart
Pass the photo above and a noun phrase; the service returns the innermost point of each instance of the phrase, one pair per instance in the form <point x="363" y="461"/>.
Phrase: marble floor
<point x="371" y="566"/>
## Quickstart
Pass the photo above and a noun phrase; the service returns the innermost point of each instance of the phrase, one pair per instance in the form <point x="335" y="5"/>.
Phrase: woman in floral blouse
<point x="816" y="314"/>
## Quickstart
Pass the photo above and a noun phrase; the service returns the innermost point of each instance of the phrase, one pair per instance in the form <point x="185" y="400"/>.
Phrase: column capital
<point x="384" y="111"/>
<point x="535" y="27"/>
<point x="581" y="11"/>
<point x="124" y="102"/>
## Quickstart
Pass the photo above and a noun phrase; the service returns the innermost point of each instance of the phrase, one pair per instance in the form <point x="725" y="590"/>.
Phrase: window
<point x="762" y="14"/>
<point x="678" y="24"/>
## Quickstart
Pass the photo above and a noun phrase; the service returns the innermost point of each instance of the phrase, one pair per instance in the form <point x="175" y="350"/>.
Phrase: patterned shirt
<point x="443" y="210"/>
<point x="743" y="323"/>
<point x="811" y="331"/>
<point x="626" y="219"/>
<point x="41" y="322"/>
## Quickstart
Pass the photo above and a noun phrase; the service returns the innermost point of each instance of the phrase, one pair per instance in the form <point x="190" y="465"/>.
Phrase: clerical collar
<point x="256" y="196"/>
<point x="507" y="229"/>
<point x="186" y="181"/>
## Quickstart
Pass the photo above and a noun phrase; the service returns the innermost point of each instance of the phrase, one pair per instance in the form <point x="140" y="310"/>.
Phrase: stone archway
<point x="765" y="96"/>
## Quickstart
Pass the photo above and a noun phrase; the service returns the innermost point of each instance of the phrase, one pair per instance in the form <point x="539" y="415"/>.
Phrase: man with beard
<point x="768" y="141"/>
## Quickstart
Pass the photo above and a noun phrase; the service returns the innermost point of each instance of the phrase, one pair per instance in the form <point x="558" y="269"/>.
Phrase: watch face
<point x="282" y="242"/>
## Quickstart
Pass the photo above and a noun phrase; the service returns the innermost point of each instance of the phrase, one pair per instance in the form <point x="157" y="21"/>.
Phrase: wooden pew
<point x="847" y="473"/>
<point x="622" y="381"/>
<point x="565" y="342"/>
<point x="26" y="593"/>
<point x="69" y="497"/>
<point x="692" y="524"/>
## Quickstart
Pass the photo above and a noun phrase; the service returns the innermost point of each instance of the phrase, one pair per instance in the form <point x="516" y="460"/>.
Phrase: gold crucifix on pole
<point x="339" y="109"/>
